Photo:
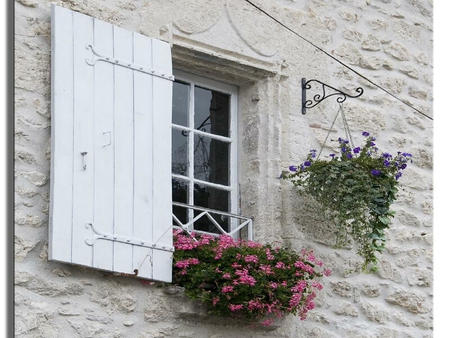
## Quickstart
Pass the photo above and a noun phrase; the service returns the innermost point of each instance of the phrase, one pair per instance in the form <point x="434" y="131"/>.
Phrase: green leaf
<point x="384" y="220"/>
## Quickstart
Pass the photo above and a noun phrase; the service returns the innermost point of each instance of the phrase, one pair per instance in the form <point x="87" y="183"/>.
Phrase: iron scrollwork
<point x="306" y="104"/>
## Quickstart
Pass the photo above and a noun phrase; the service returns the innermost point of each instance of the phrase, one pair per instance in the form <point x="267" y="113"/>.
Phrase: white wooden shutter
<point x="111" y="188"/>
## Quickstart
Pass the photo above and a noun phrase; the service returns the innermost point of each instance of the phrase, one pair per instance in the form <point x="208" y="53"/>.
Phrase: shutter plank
<point x="61" y="180"/>
<point x="104" y="147"/>
<point x="143" y="171"/>
<point x="162" y="150"/>
<point x="124" y="154"/>
<point x="83" y="187"/>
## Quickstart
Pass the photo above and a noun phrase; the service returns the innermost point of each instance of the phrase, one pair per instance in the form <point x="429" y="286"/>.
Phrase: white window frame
<point x="233" y="188"/>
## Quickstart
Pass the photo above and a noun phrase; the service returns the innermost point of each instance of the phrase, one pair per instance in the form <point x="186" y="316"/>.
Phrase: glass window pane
<point x="180" y="157"/>
<point x="211" y="160"/>
<point x="211" y="198"/>
<point x="180" y="104"/>
<point x="212" y="111"/>
<point x="180" y="193"/>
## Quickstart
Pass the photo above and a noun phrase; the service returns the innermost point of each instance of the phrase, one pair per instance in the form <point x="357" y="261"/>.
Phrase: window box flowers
<point x="244" y="279"/>
<point x="356" y="189"/>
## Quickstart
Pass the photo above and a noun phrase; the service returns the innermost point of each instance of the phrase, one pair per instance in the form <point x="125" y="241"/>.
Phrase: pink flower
<point x="266" y="268"/>
<point x="252" y="244"/>
<point x="280" y="265"/>
<point x="182" y="264"/>
<point x="254" y="305"/>
<point x="228" y="288"/>
<point x="303" y="266"/>
<point x="317" y="285"/>
<point x="194" y="261"/>
<point x="273" y="285"/>
<point x="295" y="300"/>
<point x="267" y="322"/>
<point x="215" y="300"/>
<point x="249" y="280"/>
<point x="226" y="275"/>
<point x="233" y="307"/>
<point x="269" y="255"/>
<point x="299" y="287"/>
<point x="251" y="259"/>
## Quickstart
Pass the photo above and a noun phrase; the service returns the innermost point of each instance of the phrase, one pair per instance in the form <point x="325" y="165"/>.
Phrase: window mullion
<point x="191" y="148"/>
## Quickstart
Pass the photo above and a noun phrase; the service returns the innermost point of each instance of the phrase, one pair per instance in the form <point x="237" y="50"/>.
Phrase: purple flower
<point x="349" y="156"/>
<point x="386" y="163"/>
<point x="387" y="155"/>
<point x="403" y="166"/>
<point x="372" y="144"/>
<point x="307" y="164"/>
<point x="398" y="175"/>
<point x="407" y="155"/>
<point x="332" y="155"/>
<point x="357" y="150"/>
<point x="292" y="168"/>
<point x="344" y="149"/>
<point x="365" y="133"/>
<point x="375" y="172"/>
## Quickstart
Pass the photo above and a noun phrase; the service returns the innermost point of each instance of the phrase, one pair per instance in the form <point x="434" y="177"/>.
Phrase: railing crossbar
<point x="189" y="226"/>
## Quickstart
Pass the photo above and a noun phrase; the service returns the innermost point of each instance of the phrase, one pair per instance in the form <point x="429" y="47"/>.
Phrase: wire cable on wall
<point x="337" y="60"/>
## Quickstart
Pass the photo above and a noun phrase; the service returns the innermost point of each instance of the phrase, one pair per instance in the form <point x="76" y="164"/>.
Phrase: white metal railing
<point x="237" y="223"/>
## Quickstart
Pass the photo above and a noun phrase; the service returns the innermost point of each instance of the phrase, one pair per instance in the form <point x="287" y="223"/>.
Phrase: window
<point x="204" y="151"/>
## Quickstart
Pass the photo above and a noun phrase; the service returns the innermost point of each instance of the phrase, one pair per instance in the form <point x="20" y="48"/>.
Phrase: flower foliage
<point x="356" y="187"/>
<point x="245" y="279"/>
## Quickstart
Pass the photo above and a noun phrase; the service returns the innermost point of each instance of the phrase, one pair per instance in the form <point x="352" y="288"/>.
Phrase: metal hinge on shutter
<point x="98" y="57"/>
<point x="122" y="239"/>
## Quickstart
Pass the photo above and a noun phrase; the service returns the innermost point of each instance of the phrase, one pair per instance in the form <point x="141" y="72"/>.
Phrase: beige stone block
<point x="410" y="301"/>
<point x="22" y="247"/>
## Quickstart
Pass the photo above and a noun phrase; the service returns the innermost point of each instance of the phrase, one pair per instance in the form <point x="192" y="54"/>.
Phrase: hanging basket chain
<point x="328" y="134"/>
<point x="346" y="129"/>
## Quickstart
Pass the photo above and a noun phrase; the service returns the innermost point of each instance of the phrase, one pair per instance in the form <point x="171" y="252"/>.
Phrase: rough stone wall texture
<point x="390" y="42"/>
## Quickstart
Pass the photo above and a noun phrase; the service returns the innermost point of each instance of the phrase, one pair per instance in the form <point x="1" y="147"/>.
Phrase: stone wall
<point x="389" y="42"/>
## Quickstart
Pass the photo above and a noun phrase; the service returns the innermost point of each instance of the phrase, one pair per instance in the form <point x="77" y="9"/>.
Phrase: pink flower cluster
<point x="247" y="279"/>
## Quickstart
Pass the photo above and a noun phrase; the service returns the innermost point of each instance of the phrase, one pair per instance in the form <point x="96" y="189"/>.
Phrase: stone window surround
<point x="259" y="124"/>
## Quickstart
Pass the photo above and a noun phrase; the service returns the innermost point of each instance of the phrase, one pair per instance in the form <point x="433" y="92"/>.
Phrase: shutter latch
<point x="97" y="57"/>
<point x="123" y="239"/>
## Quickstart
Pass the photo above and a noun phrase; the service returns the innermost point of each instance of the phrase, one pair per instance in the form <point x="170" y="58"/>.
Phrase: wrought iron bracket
<point x="306" y="104"/>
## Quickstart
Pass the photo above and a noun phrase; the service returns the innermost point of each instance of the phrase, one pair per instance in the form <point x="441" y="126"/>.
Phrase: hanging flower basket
<point x="357" y="188"/>
<point x="244" y="279"/>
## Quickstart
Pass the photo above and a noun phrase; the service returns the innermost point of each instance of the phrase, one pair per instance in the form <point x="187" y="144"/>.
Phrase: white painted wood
<point x="83" y="180"/>
<point x="162" y="158"/>
<point x="143" y="168"/>
<point x="124" y="154"/>
<point x="120" y="119"/>
<point x="61" y="174"/>
<point x="104" y="145"/>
